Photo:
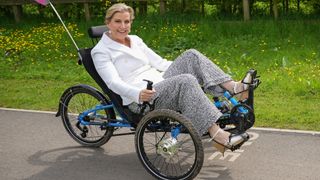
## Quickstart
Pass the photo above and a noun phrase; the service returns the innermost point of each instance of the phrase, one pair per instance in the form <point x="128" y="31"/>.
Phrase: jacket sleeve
<point x="155" y="60"/>
<point x="109" y="74"/>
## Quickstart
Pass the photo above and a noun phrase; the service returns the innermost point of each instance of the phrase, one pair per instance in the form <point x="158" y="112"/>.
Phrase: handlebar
<point x="149" y="85"/>
<point x="145" y="103"/>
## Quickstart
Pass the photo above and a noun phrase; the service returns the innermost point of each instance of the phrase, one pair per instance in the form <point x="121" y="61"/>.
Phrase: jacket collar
<point x="120" y="47"/>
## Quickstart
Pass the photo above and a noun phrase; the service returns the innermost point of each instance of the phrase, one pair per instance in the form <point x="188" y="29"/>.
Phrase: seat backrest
<point x="96" y="32"/>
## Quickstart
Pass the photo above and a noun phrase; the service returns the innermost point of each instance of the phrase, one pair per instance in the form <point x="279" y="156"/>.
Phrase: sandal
<point x="250" y="76"/>
<point x="235" y="141"/>
<point x="241" y="89"/>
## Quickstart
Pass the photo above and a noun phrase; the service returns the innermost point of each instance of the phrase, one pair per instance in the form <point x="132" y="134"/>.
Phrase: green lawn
<point x="42" y="61"/>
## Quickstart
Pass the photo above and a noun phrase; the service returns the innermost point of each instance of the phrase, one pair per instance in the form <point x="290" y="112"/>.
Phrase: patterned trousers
<point x="181" y="89"/>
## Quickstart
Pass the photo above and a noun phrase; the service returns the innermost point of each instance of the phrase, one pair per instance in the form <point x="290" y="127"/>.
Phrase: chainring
<point x="244" y="120"/>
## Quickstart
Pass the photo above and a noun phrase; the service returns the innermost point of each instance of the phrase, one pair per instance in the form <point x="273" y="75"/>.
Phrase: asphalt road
<point x="36" y="146"/>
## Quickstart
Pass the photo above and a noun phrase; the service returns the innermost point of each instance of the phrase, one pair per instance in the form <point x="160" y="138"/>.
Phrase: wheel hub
<point x="168" y="148"/>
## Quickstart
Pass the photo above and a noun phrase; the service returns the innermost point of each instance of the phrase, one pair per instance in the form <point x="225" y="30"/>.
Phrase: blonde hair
<point x="119" y="7"/>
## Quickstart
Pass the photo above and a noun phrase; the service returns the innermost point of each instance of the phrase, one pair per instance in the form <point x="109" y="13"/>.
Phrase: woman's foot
<point x="224" y="140"/>
<point x="241" y="89"/>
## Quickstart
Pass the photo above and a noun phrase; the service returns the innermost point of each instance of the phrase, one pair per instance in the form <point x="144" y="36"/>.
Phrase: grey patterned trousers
<point x="181" y="89"/>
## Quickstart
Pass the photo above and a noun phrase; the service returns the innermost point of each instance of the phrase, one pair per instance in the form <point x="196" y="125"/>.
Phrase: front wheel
<point x="168" y="145"/>
<point x="75" y="102"/>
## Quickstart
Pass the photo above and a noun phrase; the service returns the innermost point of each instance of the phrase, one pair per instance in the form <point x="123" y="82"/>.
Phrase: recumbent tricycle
<point x="166" y="142"/>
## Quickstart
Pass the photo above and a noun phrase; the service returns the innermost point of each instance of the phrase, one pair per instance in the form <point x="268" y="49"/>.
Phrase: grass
<point x="42" y="61"/>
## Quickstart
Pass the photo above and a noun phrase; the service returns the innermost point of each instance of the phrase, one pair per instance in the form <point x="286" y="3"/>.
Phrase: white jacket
<point x="123" y="68"/>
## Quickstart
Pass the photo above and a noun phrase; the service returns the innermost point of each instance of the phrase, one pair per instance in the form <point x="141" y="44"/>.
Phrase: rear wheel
<point x="75" y="102"/>
<point x="164" y="156"/>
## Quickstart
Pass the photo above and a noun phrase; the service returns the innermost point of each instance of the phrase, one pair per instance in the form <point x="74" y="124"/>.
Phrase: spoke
<point x="173" y="166"/>
<point x="187" y="147"/>
<point x="95" y="134"/>
<point x="179" y="164"/>
<point x="92" y="137"/>
<point x="162" y="163"/>
<point x="78" y="104"/>
<point x="155" y="159"/>
<point x="150" y="149"/>
<point x="168" y="166"/>
<point x="149" y="141"/>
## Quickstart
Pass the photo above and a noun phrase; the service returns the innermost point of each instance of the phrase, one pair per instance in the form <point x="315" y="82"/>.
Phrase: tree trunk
<point x="271" y="7"/>
<point x="285" y="6"/>
<point x="229" y="7"/>
<point x="143" y="7"/>
<point x="226" y="7"/>
<point x="162" y="7"/>
<point x="246" y="11"/>
<point x="251" y="5"/>
<point x="184" y="5"/>
<point x="298" y="5"/>
<point x="134" y="6"/>
<point x="275" y="9"/>
<point x="17" y="11"/>
<point x="202" y="7"/>
<point x="87" y="11"/>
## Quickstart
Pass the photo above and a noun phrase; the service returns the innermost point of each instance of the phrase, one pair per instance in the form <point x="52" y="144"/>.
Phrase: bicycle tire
<point x="177" y="168"/>
<point x="78" y="100"/>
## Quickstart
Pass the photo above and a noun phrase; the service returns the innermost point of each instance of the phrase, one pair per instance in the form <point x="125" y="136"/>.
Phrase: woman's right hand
<point x="146" y="95"/>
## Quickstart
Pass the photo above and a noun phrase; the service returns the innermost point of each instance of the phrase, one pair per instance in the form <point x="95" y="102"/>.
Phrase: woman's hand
<point x="146" y="95"/>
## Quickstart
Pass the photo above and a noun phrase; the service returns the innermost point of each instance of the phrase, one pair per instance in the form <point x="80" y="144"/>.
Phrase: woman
<point x="124" y="60"/>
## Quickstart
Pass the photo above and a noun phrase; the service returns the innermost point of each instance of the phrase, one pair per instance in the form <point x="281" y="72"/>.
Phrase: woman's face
<point x="119" y="25"/>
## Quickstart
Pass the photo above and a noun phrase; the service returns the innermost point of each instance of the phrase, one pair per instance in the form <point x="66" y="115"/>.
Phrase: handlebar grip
<point x="145" y="103"/>
<point x="149" y="85"/>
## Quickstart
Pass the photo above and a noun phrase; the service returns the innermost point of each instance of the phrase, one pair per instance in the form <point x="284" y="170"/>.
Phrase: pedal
<point x="246" y="138"/>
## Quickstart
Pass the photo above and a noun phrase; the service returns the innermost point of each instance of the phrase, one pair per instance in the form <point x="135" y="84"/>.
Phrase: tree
<point x="275" y="9"/>
<point x="162" y="6"/>
<point x="246" y="11"/>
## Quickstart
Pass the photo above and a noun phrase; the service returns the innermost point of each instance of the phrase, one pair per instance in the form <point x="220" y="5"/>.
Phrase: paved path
<point x="36" y="146"/>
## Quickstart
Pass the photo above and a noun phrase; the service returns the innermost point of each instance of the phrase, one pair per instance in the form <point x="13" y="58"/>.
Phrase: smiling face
<point x="119" y="26"/>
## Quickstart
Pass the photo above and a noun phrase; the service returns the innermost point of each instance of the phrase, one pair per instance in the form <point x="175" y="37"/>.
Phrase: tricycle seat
<point x="86" y="59"/>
